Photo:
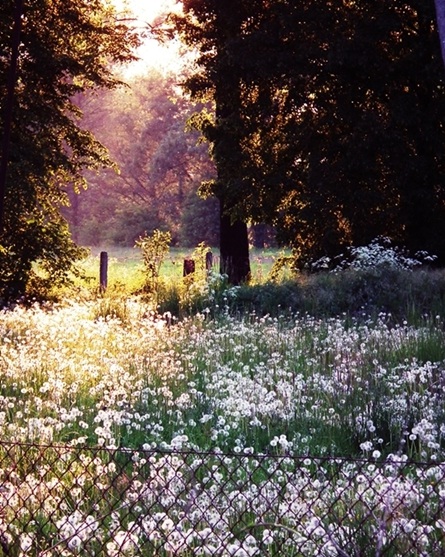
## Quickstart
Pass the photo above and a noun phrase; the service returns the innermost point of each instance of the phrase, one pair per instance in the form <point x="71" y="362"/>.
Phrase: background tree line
<point x="159" y="165"/>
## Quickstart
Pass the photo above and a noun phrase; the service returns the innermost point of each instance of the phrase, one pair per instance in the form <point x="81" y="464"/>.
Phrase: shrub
<point x="154" y="248"/>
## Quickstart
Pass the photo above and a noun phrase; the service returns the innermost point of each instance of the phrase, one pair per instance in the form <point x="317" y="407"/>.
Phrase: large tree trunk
<point x="228" y="135"/>
<point x="440" y="16"/>
<point x="234" y="250"/>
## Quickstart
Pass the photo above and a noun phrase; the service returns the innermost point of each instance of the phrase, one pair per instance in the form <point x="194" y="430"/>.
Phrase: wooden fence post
<point x="189" y="267"/>
<point x="209" y="261"/>
<point x="103" y="275"/>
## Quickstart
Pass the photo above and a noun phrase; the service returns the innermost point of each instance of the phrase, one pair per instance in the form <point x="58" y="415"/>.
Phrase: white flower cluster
<point x="380" y="252"/>
<point x="266" y="384"/>
<point x="210" y="504"/>
<point x="239" y="387"/>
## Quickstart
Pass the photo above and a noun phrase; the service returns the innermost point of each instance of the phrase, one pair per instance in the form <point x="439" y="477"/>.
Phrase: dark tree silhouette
<point x="215" y="29"/>
<point x="329" y="118"/>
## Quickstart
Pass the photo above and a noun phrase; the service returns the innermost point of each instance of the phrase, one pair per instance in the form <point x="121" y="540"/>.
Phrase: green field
<point x="125" y="267"/>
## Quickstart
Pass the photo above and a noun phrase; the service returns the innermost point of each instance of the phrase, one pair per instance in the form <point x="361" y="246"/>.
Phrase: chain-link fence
<point x="63" y="501"/>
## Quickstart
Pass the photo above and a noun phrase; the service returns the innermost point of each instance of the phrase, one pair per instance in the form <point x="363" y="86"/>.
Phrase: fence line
<point x="61" y="501"/>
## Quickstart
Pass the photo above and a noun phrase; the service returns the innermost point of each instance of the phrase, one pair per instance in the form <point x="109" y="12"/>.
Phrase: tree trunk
<point x="234" y="243"/>
<point x="234" y="250"/>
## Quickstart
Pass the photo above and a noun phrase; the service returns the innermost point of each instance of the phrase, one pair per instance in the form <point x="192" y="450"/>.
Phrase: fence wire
<point x="65" y="501"/>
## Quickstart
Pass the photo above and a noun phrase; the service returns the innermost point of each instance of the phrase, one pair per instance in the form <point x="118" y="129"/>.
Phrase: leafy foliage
<point x="67" y="47"/>
<point x="154" y="248"/>
<point x="199" y="221"/>
<point x="329" y="117"/>
<point x="160" y="165"/>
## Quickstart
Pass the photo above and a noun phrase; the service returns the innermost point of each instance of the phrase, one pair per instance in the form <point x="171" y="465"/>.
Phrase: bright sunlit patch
<point x="165" y="56"/>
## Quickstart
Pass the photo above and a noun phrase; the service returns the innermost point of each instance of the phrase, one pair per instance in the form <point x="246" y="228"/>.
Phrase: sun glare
<point x="164" y="57"/>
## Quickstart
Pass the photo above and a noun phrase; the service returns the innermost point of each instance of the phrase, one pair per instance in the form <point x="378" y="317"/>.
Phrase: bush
<point x="38" y="257"/>
<point x="154" y="249"/>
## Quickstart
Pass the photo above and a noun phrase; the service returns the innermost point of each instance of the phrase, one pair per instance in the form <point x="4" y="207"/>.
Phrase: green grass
<point x="125" y="266"/>
<point x="405" y="295"/>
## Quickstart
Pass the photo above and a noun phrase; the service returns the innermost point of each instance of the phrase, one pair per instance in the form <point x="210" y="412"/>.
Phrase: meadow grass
<point x="125" y="268"/>
<point x="125" y="377"/>
<point x="229" y="407"/>
<point x="313" y="358"/>
<point x="403" y="293"/>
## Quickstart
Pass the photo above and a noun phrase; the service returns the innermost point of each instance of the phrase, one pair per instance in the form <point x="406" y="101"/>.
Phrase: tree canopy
<point x="66" y="48"/>
<point x="329" y="118"/>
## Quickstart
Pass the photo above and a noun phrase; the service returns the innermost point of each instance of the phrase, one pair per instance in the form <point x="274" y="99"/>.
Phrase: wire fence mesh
<point x="64" y="501"/>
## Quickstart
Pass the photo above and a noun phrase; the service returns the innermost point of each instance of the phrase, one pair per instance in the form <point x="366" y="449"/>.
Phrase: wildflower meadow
<point x="137" y="433"/>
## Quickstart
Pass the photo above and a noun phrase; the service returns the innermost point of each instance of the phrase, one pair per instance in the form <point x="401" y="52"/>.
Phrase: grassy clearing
<point x="125" y="269"/>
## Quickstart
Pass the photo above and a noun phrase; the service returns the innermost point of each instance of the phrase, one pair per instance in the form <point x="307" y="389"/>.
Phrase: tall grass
<point x="405" y="293"/>
<point x="341" y="386"/>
